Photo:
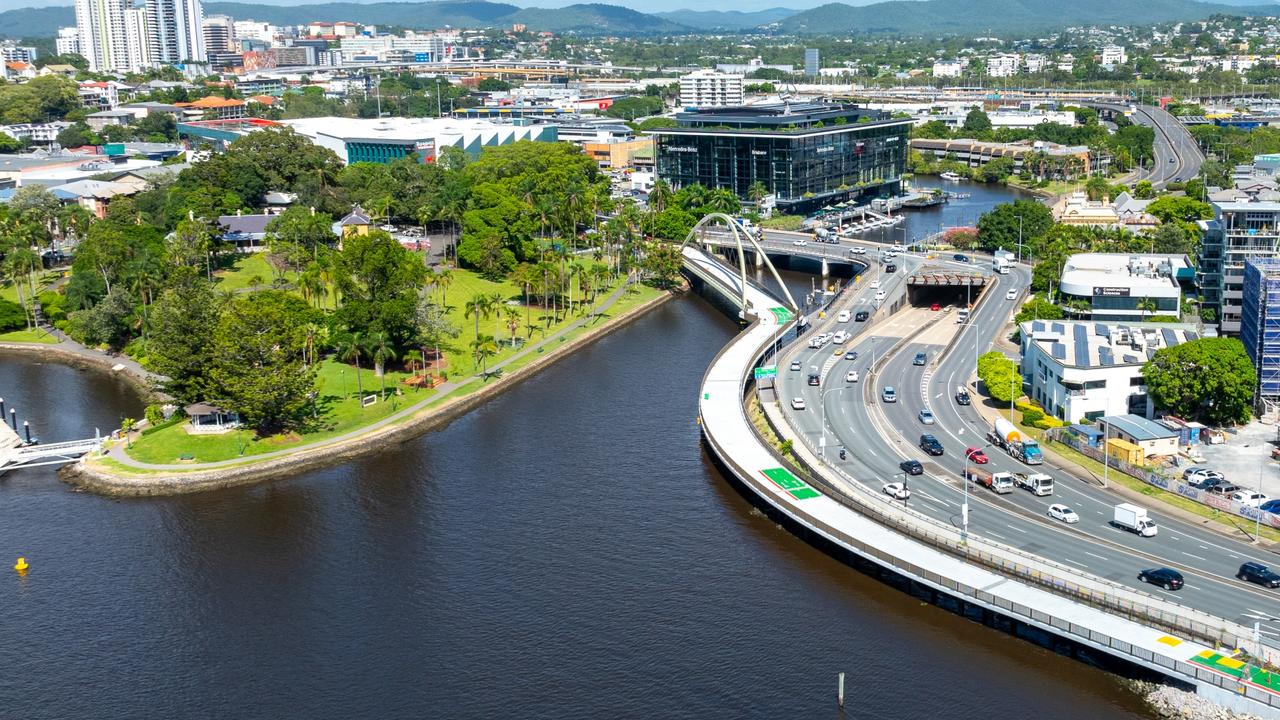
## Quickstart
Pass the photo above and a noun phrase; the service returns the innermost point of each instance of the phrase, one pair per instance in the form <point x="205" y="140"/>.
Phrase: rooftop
<point x="1139" y="428"/>
<point x="797" y="117"/>
<point x="1079" y="344"/>
<point x="1136" y="272"/>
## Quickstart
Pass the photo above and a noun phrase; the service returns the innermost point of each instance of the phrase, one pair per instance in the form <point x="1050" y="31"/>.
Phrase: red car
<point x="976" y="456"/>
<point x="935" y="307"/>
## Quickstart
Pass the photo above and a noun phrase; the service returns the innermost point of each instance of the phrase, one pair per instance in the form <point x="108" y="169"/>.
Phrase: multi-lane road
<point x="1177" y="156"/>
<point x="878" y="436"/>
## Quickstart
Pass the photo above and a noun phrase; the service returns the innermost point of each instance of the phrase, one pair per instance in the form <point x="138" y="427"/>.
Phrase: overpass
<point x="967" y="572"/>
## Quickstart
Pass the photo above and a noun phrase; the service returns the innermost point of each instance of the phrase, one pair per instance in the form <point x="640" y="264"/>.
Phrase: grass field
<point x="250" y="270"/>
<point x="338" y="407"/>
<point x="28" y="336"/>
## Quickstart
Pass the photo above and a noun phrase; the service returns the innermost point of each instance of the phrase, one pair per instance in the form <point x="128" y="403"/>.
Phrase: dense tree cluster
<point x="1209" y="379"/>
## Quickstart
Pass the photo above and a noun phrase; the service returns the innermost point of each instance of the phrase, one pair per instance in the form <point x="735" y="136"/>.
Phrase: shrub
<point x="154" y="415"/>
<point x="12" y="316"/>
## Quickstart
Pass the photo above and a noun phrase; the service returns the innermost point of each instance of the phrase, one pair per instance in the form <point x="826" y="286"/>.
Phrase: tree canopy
<point x="1209" y="379"/>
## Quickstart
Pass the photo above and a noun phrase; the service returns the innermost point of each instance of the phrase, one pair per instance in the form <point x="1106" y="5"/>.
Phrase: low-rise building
<point x="948" y="68"/>
<point x="1005" y="65"/>
<point x="1043" y="159"/>
<point x="385" y="139"/>
<point x="1119" y="286"/>
<point x="1084" y="370"/>
<point x="1153" y="439"/>
<point x="708" y="88"/>
<point x="1112" y="55"/>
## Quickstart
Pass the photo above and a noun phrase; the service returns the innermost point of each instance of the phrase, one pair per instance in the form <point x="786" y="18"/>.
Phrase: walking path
<point x="118" y="454"/>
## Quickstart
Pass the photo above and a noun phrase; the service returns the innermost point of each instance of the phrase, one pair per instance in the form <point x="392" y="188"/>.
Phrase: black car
<point x="891" y="268"/>
<point x="911" y="467"/>
<point x="1164" y="577"/>
<point x="961" y="258"/>
<point x="1258" y="573"/>
<point x="815" y="379"/>
<point x="920" y="359"/>
<point x="962" y="397"/>
<point x="930" y="444"/>
<point x="861" y="316"/>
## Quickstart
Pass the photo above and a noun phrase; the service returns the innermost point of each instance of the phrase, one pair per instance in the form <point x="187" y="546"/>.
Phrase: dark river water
<point x="565" y="551"/>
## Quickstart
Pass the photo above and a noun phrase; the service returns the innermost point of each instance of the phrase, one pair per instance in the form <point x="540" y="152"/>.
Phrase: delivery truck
<point x="1008" y="438"/>
<point x="1000" y="483"/>
<point x="1037" y="483"/>
<point x="1134" y="519"/>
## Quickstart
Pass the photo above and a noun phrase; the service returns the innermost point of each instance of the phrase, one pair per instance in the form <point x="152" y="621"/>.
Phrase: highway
<point x="879" y="436"/>
<point x="1177" y="156"/>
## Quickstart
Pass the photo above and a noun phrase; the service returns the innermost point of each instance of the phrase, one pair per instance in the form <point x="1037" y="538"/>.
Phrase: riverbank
<point x="108" y="475"/>
<point x="80" y="357"/>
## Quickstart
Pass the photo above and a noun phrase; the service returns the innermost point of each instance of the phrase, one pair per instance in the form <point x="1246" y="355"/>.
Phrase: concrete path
<point x="118" y="454"/>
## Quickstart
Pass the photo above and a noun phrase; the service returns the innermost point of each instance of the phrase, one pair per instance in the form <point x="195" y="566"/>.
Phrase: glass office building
<point x="809" y="155"/>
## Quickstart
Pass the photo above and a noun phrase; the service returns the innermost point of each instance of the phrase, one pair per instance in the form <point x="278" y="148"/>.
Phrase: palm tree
<point x="1146" y="305"/>
<point x="512" y="316"/>
<point x="757" y="191"/>
<point x="497" y="301"/>
<point x="443" y="279"/>
<point x="352" y="348"/>
<point x="381" y="350"/>
<point x="312" y="333"/>
<point x="483" y="348"/>
<point x="659" y="196"/>
<point x="480" y="305"/>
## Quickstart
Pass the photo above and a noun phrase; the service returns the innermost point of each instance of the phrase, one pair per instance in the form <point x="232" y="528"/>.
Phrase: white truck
<point x="1037" y="483"/>
<point x="1134" y="519"/>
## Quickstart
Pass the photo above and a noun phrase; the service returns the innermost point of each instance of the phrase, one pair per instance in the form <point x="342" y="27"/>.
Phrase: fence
<point x="1217" y="502"/>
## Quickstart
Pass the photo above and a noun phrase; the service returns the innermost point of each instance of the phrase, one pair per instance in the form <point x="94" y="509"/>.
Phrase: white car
<point x="851" y="376"/>
<point x="797" y="403"/>
<point x="1011" y="295"/>
<point x="875" y="285"/>
<point x="800" y="243"/>
<point x="843" y="316"/>
<point x="1198" y="476"/>
<point x="880" y="295"/>
<point x="1058" y="511"/>
<point x="1250" y="498"/>
<point x="857" y="251"/>
<point x="840" y="337"/>
<point x="897" y="490"/>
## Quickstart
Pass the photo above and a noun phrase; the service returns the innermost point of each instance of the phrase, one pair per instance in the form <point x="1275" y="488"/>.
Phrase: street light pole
<point x="1106" y="464"/>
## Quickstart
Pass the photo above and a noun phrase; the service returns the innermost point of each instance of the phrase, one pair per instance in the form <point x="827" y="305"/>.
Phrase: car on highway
<point x="976" y="456"/>
<point x="861" y="316"/>
<point x="1062" y="513"/>
<point x="930" y="444"/>
<point x="857" y="251"/>
<point x="935" y="307"/>
<point x="960" y="258"/>
<point x="891" y="268"/>
<point x="1011" y="295"/>
<point x="1258" y="573"/>
<point x="795" y="365"/>
<point x="819" y="340"/>
<point x="851" y="376"/>
<point x="815" y="379"/>
<point x="851" y="355"/>
<point x="880" y="295"/>
<point x="920" y="359"/>
<point x="926" y="417"/>
<point x="842" y="316"/>
<point x="962" y="316"/>
<point x="1223" y="489"/>
<point x="1173" y="160"/>
<point x="962" y="395"/>
<point x="840" y="337"/>
<point x="1250" y="498"/>
<point x="797" y="404"/>
<point x="896" y="490"/>
<point x="800" y="243"/>
<point x="911" y="467"/>
<point x="1166" y="578"/>
<point x="889" y="394"/>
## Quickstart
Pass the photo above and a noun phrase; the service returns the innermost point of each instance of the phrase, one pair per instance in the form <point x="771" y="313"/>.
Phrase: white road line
<point x="992" y="533"/>
<point x="1194" y="556"/>
<point x="1024" y="532"/>
<point x="1204" y="547"/>
<point x="1100" y="557"/>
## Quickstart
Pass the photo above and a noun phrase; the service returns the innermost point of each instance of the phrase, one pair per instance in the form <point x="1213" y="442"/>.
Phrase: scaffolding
<point x="1260" y="330"/>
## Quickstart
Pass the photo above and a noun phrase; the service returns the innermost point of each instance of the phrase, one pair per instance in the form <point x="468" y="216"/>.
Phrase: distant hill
<point x="999" y="16"/>
<point x="36" y="22"/>
<point x="595" y="18"/>
<point x="726" y="20"/>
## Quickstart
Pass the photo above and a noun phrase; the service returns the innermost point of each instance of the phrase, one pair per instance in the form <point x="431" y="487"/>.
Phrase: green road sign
<point x="769" y="371"/>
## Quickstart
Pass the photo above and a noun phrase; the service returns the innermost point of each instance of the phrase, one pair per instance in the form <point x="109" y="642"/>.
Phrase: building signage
<point x="681" y="148"/>
<point x="1111" y="291"/>
<point x="759" y="152"/>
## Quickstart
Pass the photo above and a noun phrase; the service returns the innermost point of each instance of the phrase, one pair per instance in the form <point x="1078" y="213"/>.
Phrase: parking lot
<point x="1246" y="457"/>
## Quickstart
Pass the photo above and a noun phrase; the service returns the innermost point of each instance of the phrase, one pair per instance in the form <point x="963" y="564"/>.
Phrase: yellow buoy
<point x="21" y="565"/>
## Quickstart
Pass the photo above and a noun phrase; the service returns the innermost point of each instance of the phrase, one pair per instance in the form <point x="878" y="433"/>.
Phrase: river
<point x="567" y="550"/>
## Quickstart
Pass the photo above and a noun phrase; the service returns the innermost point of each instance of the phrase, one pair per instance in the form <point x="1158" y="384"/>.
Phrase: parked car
<point x="897" y="490"/>
<point x="861" y="316"/>
<point x="1271" y="506"/>
<point x="795" y="365"/>
<point x="1251" y="498"/>
<point x="1061" y="512"/>
<point x="889" y="394"/>
<point x="1198" y="475"/>
<point x="1224" y="489"/>
<point x="851" y="376"/>
<point x="1011" y="295"/>
<point x="920" y="359"/>
<point x="930" y="444"/>
<point x="911" y="467"/>
<point x="1258" y="573"/>
<point x="976" y="456"/>
<point x="926" y="417"/>
<point x="1164" y="577"/>
<point x="797" y="404"/>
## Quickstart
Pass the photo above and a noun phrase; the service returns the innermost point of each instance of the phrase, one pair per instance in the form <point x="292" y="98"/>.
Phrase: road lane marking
<point x="1194" y="556"/>
<point x="1100" y="557"/>
<point x="996" y="534"/>
<point x="1024" y="532"/>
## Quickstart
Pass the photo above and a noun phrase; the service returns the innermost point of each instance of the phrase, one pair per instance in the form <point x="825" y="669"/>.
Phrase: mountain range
<point x="899" y="17"/>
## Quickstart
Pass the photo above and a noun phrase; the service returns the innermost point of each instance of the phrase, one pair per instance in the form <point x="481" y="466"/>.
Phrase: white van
<point x="843" y="316"/>
<point x="840" y="337"/>
<point x="962" y="316"/>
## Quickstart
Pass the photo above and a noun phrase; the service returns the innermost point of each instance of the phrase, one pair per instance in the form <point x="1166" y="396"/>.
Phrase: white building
<point x="219" y="34"/>
<point x="1080" y="371"/>
<point x="384" y="139"/>
<point x="708" y="88"/>
<point x="104" y="42"/>
<point x="437" y="47"/>
<point x="1113" y="55"/>
<point x="1067" y="63"/>
<point x="177" y="33"/>
<point x="1034" y="63"/>
<point x="140" y="38"/>
<point x="255" y="30"/>
<point x="949" y="68"/>
<point x="1117" y="286"/>
<point x="1003" y="65"/>
<point x="68" y="41"/>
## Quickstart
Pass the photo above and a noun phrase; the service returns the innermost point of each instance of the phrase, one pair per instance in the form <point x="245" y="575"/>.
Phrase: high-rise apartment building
<point x="138" y="34"/>
<point x="219" y="34"/>
<point x="68" y="42"/>
<point x="177" y="31"/>
<point x="1238" y="232"/>
<point x="708" y="88"/>
<point x="100" y="25"/>
<point x="811" y="62"/>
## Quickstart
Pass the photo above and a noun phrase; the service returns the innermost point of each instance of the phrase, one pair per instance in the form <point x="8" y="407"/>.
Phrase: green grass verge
<point x="248" y="270"/>
<point x="29" y="336"/>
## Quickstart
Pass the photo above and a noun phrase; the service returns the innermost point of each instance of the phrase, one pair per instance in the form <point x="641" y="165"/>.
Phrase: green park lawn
<point x="28" y="336"/>
<point x="249" y="270"/>
<point x="339" y="404"/>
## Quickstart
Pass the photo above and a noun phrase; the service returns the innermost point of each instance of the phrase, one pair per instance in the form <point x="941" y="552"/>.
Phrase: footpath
<point x="121" y="474"/>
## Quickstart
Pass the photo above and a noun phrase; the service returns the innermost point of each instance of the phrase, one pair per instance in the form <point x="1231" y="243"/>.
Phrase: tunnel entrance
<point x="944" y="287"/>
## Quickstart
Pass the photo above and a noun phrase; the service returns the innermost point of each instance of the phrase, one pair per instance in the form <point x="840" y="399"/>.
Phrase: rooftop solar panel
<point x="1105" y="357"/>
<point x="1059" y="351"/>
<point x="1101" y="330"/>
<point x="1170" y="339"/>
<point x="1191" y="335"/>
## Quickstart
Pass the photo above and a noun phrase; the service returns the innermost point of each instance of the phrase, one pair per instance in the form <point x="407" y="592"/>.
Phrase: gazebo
<point x="207" y="418"/>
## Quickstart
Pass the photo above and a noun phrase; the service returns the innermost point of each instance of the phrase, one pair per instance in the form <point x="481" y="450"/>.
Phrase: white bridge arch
<point x="697" y="234"/>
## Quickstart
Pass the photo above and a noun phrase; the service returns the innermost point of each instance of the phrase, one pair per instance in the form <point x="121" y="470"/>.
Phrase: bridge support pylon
<point x="826" y="269"/>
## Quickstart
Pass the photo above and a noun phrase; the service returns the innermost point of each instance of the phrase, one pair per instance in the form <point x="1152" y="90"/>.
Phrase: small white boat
<point x="950" y="176"/>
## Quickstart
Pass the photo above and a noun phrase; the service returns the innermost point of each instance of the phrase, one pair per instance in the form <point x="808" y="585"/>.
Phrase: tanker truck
<point x="1009" y="438"/>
